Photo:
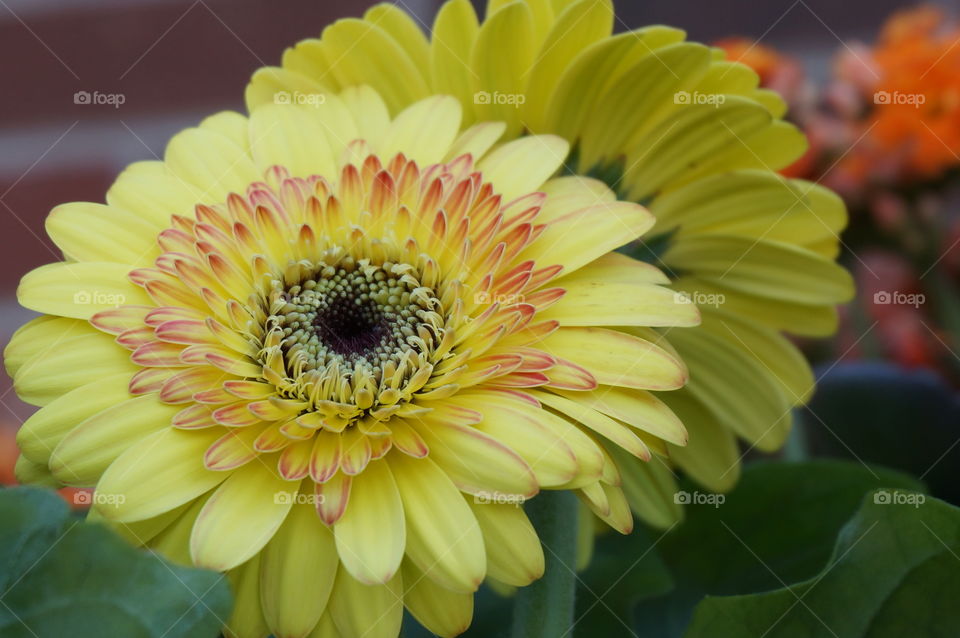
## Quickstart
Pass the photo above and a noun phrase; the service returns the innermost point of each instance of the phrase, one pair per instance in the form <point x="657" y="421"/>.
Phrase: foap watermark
<point x="699" y="498"/>
<point x="84" y="498"/>
<point x="896" y="497"/>
<point x="715" y="299"/>
<point x="897" y="97"/>
<point x="98" y="298"/>
<point x="298" y="498"/>
<point x="504" y="300"/>
<point x="299" y="98"/>
<point x="97" y="98"/>
<point x="511" y="99"/>
<point x="696" y="97"/>
<point x="499" y="498"/>
<point x="897" y="298"/>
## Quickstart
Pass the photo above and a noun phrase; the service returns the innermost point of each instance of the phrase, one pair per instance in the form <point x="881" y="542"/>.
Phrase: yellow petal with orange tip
<point x="616" y="358"/>
<point x="240" y="517"/>
<point x="160" y="472"/>
<point x="477" y="462"/>
<point x="443" y="538"/>
<point x="439" y="610"/>
<point x="294" y="461"/>
<point x="332" y="497"/>
<point x="547" y="453"/>
<point x="302" y="551"/>
<point x="371" y="534"/>
<point x="233" y="449"/>
<point x="514" y="553"/>
<point x="366" y="611"/>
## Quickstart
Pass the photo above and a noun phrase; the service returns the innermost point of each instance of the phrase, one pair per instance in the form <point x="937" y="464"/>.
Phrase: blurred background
<point x="157" y="66"/>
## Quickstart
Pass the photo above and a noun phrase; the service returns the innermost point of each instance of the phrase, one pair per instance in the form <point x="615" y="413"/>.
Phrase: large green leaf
<point x="895" y="572"/>
<point x="777" y="526"/>
<point x="63" y="577"/>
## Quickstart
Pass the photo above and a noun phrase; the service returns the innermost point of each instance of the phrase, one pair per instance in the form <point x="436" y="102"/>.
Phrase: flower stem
<point x="545" y="608"/>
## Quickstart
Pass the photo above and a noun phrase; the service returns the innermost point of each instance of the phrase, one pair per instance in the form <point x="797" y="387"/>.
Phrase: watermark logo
<point x="696" y="97"/>
<point x="512" y="99"/>
<point x="499" y="498"/>
<point x="85" y="499"/>
<point x="484" y="297"/>
<point x="896" y="497"/>
<point x="99" y="298"/>
<point x="897" y="298"/>
<point x="297" y="498"/>
<point x="299" y="98"/>
<point x="698" y="498"/>
<point x="700" y="298"/>
<point x="98" y="98"/>
<point x="896" y="97"/>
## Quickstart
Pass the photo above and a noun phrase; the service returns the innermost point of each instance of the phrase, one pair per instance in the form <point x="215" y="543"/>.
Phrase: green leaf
<point x="62" y="577"/>
<point x="777" y="526"/>
<point x="894" y="572"/>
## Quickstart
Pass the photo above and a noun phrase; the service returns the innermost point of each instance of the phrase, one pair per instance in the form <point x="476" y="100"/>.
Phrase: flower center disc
<point x="351" y="331"/>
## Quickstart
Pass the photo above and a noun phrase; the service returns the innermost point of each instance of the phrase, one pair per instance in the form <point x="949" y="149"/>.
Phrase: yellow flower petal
<point x="158" y="473"/>
<point x="297" y="573"/>
<point x="241" y="517"/>
<point x="366" y="611"/>
<point x="439" y="610"/>
<point x="78" y="290"/>
<point x="371" y="534"/>
<point x="514" y="554"/>
<point x="443" y="538"/>
<point x="84" y="454"/>
<point x="617" y="358"/>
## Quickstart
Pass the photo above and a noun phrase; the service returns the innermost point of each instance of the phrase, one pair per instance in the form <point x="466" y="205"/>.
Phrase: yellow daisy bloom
<point x="667" y="123"/>
<point x="328" y="351"/>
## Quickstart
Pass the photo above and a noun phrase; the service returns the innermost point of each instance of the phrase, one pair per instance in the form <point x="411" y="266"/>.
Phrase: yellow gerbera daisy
<point x="667" y="123"/>
<point x="328" y="351"/>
